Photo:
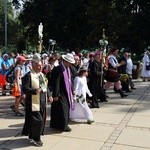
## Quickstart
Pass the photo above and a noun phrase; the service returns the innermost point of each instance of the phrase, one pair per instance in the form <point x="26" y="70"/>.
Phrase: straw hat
<point x="69" y="58"/>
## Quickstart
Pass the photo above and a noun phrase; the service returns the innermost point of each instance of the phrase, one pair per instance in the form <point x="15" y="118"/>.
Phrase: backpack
<point x="10" y="75"/>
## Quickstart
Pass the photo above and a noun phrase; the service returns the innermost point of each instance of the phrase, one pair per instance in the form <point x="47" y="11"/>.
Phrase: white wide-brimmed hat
<point x="44" y="55"/>
<point x="69" y="58"/>
<point x="36" y="56"/>
<point x="5" y="55"/>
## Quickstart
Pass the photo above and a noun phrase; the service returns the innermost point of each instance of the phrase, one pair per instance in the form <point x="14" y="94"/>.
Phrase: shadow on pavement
<point x="19" y="143"/>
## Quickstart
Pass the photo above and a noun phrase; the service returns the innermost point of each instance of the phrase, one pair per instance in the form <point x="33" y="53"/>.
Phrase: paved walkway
<point x="120" y="124"/>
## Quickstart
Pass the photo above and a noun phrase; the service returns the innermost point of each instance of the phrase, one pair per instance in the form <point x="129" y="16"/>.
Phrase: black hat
<point x="82" y="69"/>
<point x="126" y="50"/>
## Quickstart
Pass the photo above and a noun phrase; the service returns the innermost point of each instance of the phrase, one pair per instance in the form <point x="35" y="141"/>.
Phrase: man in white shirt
<point x="129" y="68"/>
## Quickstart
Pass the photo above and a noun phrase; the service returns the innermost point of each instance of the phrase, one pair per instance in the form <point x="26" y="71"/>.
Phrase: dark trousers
<point x="99" y="95"/>
<point x="37" y="126"/>
<point x="34" y="121"/>
<point x="130" y="81"/>
<point x="33" y="127"/>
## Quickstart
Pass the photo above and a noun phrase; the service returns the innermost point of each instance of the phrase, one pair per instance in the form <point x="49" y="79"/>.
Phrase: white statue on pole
<point x="103" y="42"/>
<point x="40" y="30"/>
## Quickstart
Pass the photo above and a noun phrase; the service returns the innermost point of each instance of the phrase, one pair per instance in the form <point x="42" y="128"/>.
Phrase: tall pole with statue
<point x="40" y="31"/>
<point x="103" y="43"/>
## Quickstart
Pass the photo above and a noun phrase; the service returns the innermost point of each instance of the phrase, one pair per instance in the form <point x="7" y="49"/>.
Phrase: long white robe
<point x="146" y="61"/>
<point x="82" y="110"/>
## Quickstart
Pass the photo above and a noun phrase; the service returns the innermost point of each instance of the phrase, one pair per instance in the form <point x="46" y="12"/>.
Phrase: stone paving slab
<point x="140" y="121"/>
<point x="50" y="131"/>
<point x="120" y="124"/>
<point x="108" y="117"/>
<point x="147" y="99"/>
<point x="143" y="111"/>
<point x="22" y="143"/>
<point x="140" y="89"/>
<point x="92" y="132"/>
<point x="56" y="143"/>
<point x="77" y="144"/>
<point x="137" y="138"/>
<point x="114" y="109"/>
<point x="123" y="147"/>
<point x="145" y="103"/>
<point x="129" y="100"/>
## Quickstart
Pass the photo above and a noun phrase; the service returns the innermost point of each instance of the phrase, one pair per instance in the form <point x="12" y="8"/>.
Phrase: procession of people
<point x="72" y="83"/>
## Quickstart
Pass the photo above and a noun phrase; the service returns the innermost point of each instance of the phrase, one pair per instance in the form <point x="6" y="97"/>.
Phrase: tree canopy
<point x="13" y="27"/>
<point x="78" y="24"/>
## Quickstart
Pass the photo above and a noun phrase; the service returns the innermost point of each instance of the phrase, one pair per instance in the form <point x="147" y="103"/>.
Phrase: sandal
<point x="19" y="114"/>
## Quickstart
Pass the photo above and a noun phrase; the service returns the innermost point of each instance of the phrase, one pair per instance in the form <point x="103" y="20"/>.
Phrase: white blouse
<point x="80" y="86"/>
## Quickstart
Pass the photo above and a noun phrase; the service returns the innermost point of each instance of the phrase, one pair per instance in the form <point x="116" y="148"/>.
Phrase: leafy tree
<point x="2" y="23"/>
<point x="13" y="27"/>
<point x="64" y="21"/>
<point x="79" y="24"/>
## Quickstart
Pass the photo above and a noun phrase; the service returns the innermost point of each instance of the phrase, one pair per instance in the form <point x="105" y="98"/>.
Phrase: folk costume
<point x="35" y="110"/>
<point x="112" y="75"/>
<point x="61" y="88"/>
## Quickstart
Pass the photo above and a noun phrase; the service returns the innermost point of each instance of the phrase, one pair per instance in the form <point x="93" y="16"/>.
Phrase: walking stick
<point x="102" y="61"/>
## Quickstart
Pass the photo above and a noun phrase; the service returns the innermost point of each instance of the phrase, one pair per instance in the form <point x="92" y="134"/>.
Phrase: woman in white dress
<point x="146" y="61"/>
<point x="82" y="110"/>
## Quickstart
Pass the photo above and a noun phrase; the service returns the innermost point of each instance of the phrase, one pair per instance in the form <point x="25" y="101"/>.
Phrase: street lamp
<point x="5" y="12"/>
<point x="51" y="43"/>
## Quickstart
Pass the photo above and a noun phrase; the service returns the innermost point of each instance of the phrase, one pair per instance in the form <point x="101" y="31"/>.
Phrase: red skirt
<point x="15" y="90"/>
<point x="2" y="80"/>
<point x="112" y="76"/>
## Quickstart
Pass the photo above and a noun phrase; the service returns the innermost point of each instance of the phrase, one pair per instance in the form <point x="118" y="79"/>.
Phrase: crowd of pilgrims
<point x="73" y="83"/>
